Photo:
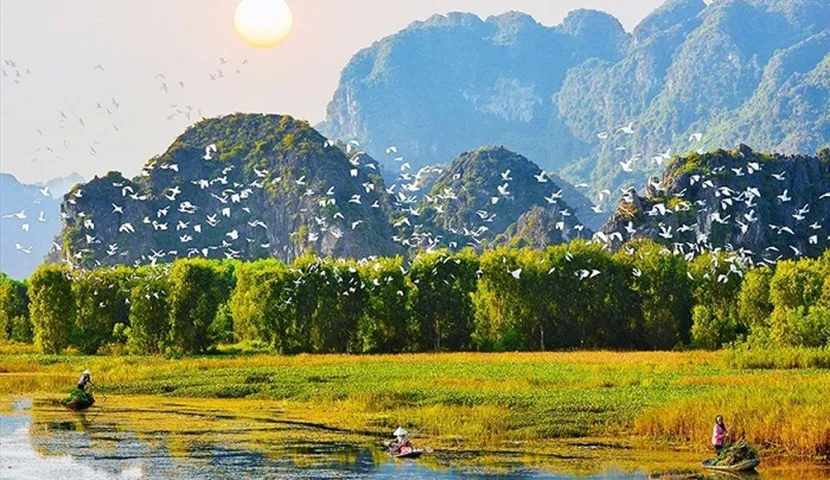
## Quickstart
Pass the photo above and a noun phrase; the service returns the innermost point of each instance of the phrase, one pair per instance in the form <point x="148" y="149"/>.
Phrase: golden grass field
<point x="515" y="401"/>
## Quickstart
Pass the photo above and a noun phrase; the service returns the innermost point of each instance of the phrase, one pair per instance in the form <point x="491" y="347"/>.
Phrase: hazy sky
<point x="60" y="42"/>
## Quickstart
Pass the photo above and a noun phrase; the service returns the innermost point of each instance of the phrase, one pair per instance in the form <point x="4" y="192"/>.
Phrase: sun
<point x="263" y="23"/>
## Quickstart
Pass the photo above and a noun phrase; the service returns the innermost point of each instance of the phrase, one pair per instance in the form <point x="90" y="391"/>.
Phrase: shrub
<point x="801" y="326"/>
<point x="709" y="330"/>
<point x="764" y="357"/>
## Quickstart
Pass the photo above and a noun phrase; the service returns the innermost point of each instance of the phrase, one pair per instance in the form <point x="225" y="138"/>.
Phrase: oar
<point x="416" y="432"/>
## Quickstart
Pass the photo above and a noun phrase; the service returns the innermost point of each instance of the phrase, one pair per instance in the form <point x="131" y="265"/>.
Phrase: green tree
<point x="660" y="281"/>
<point x="716" y="284"/>
<point x="101" y="297"/>
<point x="341" y="299"/>
<point x="441" y="299"/>
<point x="197" y="288"/>
<point x="594" y="294"/>
<point x="500" y="323"/>
<point x="150" y="311"/>
<point x="245" y="303"/>
<point x="52" y="307"/>
<point x="264" y="305"/>
<point x="384" y="325"/>
<point x="14" y="311"/>
<point x="797" y="292"/>
<point x="566" y="296"/>
<point x="221" y="329"/>
<point x="754" y="306"/>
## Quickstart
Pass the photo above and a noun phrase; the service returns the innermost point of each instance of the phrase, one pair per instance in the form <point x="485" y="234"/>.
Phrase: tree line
<point x="575" y="295"/>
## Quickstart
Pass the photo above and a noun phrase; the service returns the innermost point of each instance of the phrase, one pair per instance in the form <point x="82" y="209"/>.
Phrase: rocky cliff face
<point x="240" y="186"/>
<point x="770" y="206"/>
<point x="490" y="196"/>
<point x="455" y="82"/>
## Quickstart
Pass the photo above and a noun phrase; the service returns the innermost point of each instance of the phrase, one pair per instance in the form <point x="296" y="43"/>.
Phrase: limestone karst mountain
<point x="453" y="83"/>
<point x="239" y="186"/>
<point x="489" y="196"/>
<point x="767" y="206"/>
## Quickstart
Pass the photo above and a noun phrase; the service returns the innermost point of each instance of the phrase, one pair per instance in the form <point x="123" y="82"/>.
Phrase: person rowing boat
<point x="80" y="398"/>
<point x="86" y="379"/>
<point x="401" y="446"/>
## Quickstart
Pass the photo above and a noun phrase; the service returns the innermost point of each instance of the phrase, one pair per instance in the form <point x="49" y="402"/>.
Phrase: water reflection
<point x="48" y="442"/>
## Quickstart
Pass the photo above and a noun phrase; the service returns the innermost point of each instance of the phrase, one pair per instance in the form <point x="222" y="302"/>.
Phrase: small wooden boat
<point x="77" y="406"/>
<point x="79" y="400"/>
<point x="738" y="467"/>
<point x="413" y="453"/>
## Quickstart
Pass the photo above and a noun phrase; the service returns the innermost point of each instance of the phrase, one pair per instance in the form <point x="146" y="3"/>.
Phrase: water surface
<point x="179" y="440"/>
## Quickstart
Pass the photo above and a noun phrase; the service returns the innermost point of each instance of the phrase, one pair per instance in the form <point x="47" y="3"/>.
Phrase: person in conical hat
<point x="401" y="444"/>
<point x="84" y="380"/>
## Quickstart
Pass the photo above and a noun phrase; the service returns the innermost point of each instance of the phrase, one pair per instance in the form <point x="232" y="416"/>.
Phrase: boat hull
<point x="738" y="467"/>
<point x="416" y="453"/>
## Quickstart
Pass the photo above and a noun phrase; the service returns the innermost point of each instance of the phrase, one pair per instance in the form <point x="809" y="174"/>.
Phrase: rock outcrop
<point x="769" y="206"/>
<point x="489" y="195"/>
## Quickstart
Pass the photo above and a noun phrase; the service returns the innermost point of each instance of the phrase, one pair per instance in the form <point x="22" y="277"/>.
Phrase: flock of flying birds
<point x="97" y="122"/>
<point x="105" y="117"/>
<point x="405" y="195"/>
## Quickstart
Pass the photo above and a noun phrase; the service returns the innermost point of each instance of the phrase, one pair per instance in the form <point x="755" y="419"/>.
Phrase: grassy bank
<point x="481" y="400"/>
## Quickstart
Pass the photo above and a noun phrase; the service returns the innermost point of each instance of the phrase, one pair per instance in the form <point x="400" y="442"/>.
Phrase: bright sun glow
<point x="263" y="23"/>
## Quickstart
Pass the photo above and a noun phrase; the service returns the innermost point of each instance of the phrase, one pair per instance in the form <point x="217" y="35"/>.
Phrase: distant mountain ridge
<point x="455" y="82"/>
<point x="249" y="186"/>
<point x="29" y="221"/>
<point x="252" y="186"/>
<point x="60" y="185"/>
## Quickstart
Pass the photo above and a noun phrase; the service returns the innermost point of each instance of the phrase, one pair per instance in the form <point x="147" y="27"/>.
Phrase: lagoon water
<point x="46" y="442"/>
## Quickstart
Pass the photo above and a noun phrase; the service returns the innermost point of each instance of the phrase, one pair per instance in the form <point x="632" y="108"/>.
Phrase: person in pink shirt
<point x="719" y="434"/>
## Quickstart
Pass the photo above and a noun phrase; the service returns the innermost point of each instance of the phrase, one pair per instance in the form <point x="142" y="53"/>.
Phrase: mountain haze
<point x="29" y="221"/>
